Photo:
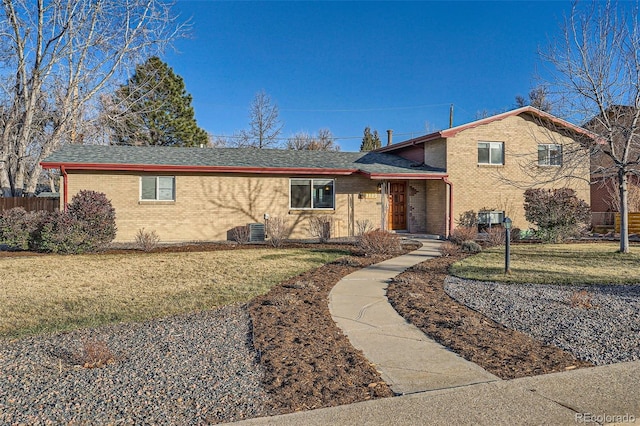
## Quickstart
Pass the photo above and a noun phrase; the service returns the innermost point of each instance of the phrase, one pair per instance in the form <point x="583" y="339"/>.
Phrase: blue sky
<point x="347" y="65"/>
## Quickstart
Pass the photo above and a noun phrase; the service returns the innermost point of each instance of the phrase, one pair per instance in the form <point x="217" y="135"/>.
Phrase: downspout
<point x="450" y="218"/>
<point x="65" y="192"/>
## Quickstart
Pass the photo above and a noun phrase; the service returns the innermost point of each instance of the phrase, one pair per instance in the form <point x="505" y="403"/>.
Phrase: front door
<point x="397" y="206"/>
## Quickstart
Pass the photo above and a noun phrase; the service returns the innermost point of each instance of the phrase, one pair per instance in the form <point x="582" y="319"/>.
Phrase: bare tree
<point x="538" y="98"/>
<point x="323" y="141"/>
<point x="264" y="126"/>
<point x="56" y="58"/>
<point x="597" y="80"/>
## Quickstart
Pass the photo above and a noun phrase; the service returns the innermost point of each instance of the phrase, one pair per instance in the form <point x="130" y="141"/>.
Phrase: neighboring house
<point x="419" y="186"/>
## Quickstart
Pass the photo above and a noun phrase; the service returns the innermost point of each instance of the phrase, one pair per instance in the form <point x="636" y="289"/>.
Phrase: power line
<point x="363" y="109"/>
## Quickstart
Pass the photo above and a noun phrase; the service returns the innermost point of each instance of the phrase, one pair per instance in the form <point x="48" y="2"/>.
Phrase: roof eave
<point x="194" y="169"/>
<point x="407" y="176"/>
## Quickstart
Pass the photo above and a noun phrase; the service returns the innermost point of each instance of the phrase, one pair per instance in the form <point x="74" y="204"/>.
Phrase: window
<point x="157" y="188"/>
<point x="312" y="193"/>
<point x="490" y="153"/>
<point x="489" y="218"/>
<point x="549" y="155"/>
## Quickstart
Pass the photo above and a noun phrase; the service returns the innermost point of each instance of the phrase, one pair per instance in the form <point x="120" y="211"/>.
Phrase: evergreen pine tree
<point x="370" y="141"/>
<point x="154" y="108"/>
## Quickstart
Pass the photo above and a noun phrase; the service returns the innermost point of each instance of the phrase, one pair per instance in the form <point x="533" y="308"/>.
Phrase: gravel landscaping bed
<point x="596" y="323"/>
<point x="191" y="369"/>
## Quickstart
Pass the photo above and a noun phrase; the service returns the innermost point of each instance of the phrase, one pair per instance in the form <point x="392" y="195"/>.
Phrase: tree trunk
<point x="624" y="211"/>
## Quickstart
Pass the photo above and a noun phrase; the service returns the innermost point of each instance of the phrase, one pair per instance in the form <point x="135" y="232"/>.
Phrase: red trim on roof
<point x="447" y="133"/>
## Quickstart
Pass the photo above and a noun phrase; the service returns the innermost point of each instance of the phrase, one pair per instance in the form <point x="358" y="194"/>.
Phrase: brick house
<point x="418" y="186"/>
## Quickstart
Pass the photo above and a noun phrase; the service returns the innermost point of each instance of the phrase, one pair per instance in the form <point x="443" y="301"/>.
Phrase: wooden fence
<point x="30" y="203"/>
<point x="634" y="223"/>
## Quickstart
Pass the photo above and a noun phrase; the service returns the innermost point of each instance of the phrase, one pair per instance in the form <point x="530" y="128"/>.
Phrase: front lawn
<point x="52" y="293"/>
<point x="588" y="263"/>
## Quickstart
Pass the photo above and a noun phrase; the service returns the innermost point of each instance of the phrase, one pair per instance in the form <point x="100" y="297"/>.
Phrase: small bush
<point x="449" y="249"/>
<point x="277" y="231"/>
<point x="147" y="240"/>
<point x="96" y="354"/>
<point x="320" y="227"/>
<point x="363" y="226"/>
<point x="241" y="234"/>
<point x="516" y="234"/>
<point x="17" y="227"/>
<point x="496" y="236"/>
<point x="61" y="233"/>
<point x="470" y="247"/>
<point x="581" y="299"/>
<point x="463" y="233"/>
<point x="468" y="219"/>
<point x="379" y="242"/>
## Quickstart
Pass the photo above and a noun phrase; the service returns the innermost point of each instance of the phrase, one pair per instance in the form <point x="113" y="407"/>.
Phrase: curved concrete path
<point x="406" y="358"/>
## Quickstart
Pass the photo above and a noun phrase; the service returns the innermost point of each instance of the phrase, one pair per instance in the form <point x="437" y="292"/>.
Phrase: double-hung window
<point x="157" y="188"/>
<point x="312" y="193"/>
<point x="491" y="153"/>
<point x="549" y="154"/>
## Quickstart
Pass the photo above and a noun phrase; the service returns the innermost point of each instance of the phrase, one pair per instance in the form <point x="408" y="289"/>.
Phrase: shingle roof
<point x="251" y="159"/>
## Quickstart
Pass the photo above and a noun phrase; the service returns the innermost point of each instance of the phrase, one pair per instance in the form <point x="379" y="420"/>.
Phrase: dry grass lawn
<point x="52" y="293"/>
<point x="588" y="263"/>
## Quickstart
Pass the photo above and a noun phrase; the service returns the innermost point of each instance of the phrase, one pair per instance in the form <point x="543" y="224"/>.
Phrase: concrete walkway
<point x="407" y="360"/>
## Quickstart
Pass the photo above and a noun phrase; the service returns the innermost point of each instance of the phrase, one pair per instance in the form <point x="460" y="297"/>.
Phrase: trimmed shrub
<point x="87" y="225"/>
<point x="463" y="233"/>
<point x="379" y="242"/>
<point x="97" y="216"/>
<point x="470" y="247"/>
<point x="558" y="213"/>
<point x="17" y="227"/>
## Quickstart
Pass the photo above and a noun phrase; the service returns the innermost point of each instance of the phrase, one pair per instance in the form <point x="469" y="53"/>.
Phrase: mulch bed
<point x="418" y="295"/>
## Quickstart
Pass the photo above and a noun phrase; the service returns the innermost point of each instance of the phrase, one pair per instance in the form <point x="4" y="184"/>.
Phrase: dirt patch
<point x="309" y="362"/>
<point x="418" y="295"/>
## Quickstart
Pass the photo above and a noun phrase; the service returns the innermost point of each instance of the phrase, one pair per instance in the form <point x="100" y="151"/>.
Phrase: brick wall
<point x="207" y="207"/>
<point x="478" y="186"/>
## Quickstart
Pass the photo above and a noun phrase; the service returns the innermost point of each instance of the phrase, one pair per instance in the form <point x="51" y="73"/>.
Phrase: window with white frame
<point x="491" y="153"/>
<point x="489" y="218"/>
<point x="312" y="193"/>
<point x="157" y="188"/>
<point x="549" y="154"/>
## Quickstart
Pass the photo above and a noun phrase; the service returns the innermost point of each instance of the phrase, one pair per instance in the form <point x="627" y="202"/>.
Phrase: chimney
<point x="389" y="137"/>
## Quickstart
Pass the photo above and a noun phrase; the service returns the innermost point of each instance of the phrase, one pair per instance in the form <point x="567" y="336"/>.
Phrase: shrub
<point x="97" y="216"/>
<point x="363" y="226"/>
<point x="17" y="227"/>
<point x="379" y="242"/>
<point x="468" y="219"/>
<point x="558" y="213"/>
<point x="277" y="231"/>
<point x="147" y="240"/>
<point x="320" y="227"/>
<point x="516" y="234"/>
<point x="581" y="299"/>
<point x="449" y="249"/>
<point x="96" y="354"/>
<point x="496" y="236"/>
<point x="470" y="247"/>
<point x="87" y="225"/>
<point x="241" y="234"/>
<point x="463" y="233"/>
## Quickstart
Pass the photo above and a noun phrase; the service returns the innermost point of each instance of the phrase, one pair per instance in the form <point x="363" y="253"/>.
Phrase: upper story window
<point x="491" y="153"/>
<point x="157" y="188"/>
<point x="312" y="193"/>
<point x="549" y="154"/>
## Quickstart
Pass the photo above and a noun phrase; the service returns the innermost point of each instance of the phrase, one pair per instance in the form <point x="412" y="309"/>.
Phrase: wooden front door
<point x="397" y="206"/>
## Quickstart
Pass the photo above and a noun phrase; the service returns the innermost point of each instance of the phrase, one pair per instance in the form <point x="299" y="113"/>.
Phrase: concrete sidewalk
<point x="407" y="360"/>
<point x="598" y="395"/>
